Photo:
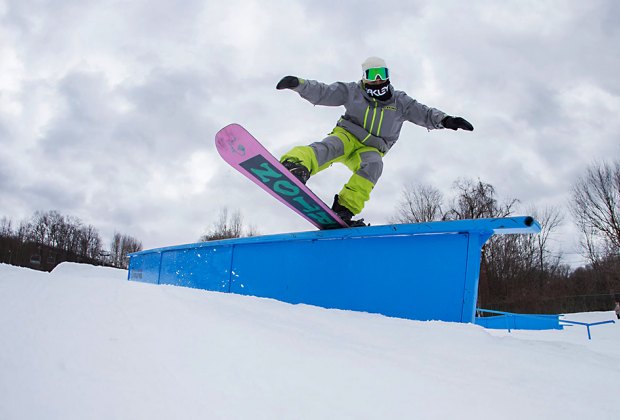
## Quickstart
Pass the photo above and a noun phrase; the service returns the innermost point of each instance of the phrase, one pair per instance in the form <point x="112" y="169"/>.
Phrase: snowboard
<point x="244" y="153"/>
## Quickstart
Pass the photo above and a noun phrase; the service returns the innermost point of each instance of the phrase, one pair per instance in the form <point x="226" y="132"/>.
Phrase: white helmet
<point x="372" y="63"/>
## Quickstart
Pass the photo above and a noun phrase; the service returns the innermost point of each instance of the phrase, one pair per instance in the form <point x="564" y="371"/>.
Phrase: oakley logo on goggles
<point x="381" y="73"/>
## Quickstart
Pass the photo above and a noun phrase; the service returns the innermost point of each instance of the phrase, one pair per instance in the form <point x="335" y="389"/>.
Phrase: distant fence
<point x="36" y="256"/>
<point x="561" y="304"/>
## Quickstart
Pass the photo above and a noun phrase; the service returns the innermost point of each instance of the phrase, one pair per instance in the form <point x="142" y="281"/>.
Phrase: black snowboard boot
<point x="345" y="214"/>
<point x="298" y="170"/>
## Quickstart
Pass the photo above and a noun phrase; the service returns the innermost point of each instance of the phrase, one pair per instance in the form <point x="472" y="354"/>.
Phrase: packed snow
<point x="82" y="342"/>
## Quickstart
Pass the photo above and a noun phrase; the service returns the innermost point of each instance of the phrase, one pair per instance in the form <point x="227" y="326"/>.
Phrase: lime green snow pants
<point x="341" y="146"/>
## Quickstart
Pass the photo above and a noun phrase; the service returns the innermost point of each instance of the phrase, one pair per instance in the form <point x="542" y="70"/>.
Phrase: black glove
<point x="454" y="123"/>
<point x="288" y="82"/>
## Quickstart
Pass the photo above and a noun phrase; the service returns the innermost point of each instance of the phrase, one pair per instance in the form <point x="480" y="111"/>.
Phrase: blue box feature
<point x="328" y="274"/>
<point x="424" y="271"/>
<point x="200" y="268"/>
<point x="146" y="268"/>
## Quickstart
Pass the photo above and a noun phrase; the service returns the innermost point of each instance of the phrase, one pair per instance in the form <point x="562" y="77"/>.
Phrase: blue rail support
<point x="423" y="271"/>
<point x="512" y="321"/>
<point x="588" y="324"/>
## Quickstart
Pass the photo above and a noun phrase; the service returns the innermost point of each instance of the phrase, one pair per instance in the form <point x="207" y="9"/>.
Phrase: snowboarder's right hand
<point x="288" y="82"/>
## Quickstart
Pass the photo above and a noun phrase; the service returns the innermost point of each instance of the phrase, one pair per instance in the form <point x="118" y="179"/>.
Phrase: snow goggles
<point x="381" y="73"/>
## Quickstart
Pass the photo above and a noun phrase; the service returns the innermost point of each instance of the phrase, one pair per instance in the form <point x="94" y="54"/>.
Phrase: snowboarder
<point x="617" y="309"/>
<point x="374" y="116"/>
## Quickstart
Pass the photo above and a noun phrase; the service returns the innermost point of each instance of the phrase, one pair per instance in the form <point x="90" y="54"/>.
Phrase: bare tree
<point x="23" y="231"/>
<point x="252" y="231"/>
<point x="90" y="242"/>
<point x="6" y="228"/>
<point x="39" y="228"/>
<point x="121" y="247"/>
<point x="550" y="220"/>
<point x="419" y="203"/>
<point x="596" y="207"/>
<point x="228" y="226"/>
<point x="476" y="200"/>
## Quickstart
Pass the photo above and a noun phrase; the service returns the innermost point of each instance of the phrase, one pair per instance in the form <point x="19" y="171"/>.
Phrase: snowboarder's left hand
<point x="454" y="123"/>
<point x="288" y="82"/>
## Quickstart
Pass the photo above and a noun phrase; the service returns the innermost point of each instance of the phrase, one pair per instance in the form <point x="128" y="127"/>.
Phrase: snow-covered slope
<point x="84" y="343"/>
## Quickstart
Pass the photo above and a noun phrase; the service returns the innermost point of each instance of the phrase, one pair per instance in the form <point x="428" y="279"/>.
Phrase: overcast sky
<point x="108" y="109"/>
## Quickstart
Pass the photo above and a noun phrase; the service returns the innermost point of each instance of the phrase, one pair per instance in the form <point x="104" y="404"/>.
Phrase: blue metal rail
<point x="511" y="321"/>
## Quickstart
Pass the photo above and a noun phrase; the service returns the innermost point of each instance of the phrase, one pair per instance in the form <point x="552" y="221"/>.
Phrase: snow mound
<point x="86" y="343"/>
<point x="75" y="270"/>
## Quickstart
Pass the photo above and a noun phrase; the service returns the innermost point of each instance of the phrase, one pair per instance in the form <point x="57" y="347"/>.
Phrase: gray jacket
<point x="374" y="123"/>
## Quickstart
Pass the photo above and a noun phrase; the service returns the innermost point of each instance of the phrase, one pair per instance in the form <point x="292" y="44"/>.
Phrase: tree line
<point x="49" y="238"/>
